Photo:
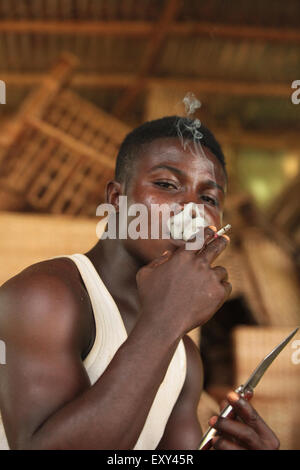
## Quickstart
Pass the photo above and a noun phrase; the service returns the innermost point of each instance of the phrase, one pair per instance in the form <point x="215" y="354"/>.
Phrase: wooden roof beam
<point x="145" y="29"/>
<point x="89" y="28"/>
<point x="224" y="87"/>
<point x="258" y="140"/>
<point x="218" y="30"/>
<point x="119" y="81"/>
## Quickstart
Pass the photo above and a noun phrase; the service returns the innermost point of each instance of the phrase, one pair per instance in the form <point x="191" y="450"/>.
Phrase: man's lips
<point x="177" y="241"/>
<point x="181" y="241"/>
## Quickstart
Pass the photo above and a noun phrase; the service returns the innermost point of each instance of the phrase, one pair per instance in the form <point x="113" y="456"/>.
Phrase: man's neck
<point x="117" y="269"/>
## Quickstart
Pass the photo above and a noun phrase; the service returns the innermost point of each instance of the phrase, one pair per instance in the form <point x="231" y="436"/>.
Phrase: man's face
<point x="167" y="173"/>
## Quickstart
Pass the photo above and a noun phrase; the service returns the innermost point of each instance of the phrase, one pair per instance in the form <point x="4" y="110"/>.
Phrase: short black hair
<point x="170" y="126"/>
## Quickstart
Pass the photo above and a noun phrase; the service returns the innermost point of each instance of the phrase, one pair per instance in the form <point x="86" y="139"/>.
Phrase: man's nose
<point x="188" y="199"/>
<point x="193" y="208"/>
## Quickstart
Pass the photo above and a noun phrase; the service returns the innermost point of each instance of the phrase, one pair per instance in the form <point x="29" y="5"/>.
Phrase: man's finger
<point x="245" y="411"/>
<point x="228" y="288"/>
<point x="249" y="416"/>
<point x="208" y="235"/>
<point x="221" y="443"/>
<point x="215" y="248"/>
<point x="246" y="435"/>
<point x="221" y="273"/>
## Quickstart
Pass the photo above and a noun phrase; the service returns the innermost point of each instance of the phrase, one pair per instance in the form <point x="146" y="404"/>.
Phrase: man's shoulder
<point x="44" y="295"/>
<point x="50" y="274"/>
<point x="44" y="279"/>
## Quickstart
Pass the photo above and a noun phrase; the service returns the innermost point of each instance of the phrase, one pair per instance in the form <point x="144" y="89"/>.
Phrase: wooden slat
<point x="20" y="163"/>
<point x="287" y="140"/>
<point x="225" y="87"/>
<point x="40" y="98"/>
<point x="79" y="188"/>
<point x="218" y="30"/>
<point x="119" y="81"/>
<point x="85" y="140"/>
<point x="72" y="143"/>
<point x="55" y="172"/>
<point x="51" y="180"/>
<point x="92" y="116"/>
<point x="145" y="29"/>
<point x="90" y="28"/>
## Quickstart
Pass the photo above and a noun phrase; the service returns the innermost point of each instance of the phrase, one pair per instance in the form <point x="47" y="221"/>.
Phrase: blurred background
<point x="80" y="74"/>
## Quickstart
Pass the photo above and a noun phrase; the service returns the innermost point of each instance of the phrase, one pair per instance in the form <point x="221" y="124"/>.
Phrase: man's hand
<point x="181" y="289"/>
<point x="249" y="432"/>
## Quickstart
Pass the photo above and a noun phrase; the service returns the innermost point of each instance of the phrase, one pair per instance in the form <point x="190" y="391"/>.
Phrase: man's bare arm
<point x="46" y="398"/>
<point x="183" y="430"/>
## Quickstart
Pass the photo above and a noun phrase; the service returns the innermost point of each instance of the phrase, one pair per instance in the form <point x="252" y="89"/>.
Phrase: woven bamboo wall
<point x="277" y="396"/>
<point x="28" y="238"/>
<point x="274" y="294"/>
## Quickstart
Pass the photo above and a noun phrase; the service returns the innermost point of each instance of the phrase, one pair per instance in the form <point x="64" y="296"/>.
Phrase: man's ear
<point x="113" y="190"/>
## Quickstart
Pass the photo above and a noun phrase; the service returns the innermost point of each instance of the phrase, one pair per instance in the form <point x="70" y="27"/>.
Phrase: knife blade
<point x="246" y="390"/>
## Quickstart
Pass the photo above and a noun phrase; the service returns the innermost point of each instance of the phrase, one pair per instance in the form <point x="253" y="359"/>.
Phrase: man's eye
<point x="165" y="184"/>
<point x="210" y="199"/>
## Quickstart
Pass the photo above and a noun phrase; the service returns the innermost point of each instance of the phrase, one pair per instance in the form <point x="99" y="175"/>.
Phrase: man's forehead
<point x="169" y="152"/>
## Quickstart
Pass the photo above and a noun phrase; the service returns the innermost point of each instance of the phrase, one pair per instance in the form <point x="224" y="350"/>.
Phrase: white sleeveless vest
<point x="110" y="334"/>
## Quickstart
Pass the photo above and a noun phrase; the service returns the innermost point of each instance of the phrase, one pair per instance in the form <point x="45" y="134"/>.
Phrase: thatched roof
<point x="127" y="61"/>
<point x="240" y="60"/>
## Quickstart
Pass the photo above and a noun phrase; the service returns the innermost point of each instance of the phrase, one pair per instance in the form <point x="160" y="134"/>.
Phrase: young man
<point x="98" y="355"/>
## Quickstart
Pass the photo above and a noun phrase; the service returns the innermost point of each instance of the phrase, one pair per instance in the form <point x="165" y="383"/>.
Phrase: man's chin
<point x="148" y="250"/>
<point x="152" y="249"/>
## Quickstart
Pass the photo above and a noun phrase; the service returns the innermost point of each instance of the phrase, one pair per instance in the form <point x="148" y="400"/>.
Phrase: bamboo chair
<point x="59" y="150"/>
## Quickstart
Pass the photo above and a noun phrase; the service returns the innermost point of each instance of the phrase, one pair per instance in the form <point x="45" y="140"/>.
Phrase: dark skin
<point x="47" y="323"/>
